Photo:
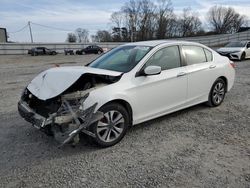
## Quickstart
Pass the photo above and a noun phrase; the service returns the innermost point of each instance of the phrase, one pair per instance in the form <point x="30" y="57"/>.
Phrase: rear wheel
<point x="217" y="93"/>
<point x="112" y="127"/>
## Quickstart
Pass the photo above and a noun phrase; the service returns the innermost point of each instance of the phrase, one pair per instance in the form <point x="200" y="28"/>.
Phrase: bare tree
<point x="189" y="23"/>
<point x="165" y="18"/>
<point x="71" y="37"/>
<point x="82" y="35"/>
<point x="145" y="20"/>
<point x="130" y="11"/>
<point x="103" y="36"/>
<point x="117" y="18"/>
<point x="146" y="24"/>
<point x="225" y="19"/>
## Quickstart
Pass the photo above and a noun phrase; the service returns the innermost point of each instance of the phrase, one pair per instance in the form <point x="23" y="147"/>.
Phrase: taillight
<point x="232" y="64"/>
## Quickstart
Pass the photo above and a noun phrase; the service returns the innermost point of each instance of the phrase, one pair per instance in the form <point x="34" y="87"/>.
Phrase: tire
<point x="217" y="93"/>
<point x="243" y="56"/>
<point x="99" y="52"/>
<point x="107" y="134"/>
<point x="53" y="53"/>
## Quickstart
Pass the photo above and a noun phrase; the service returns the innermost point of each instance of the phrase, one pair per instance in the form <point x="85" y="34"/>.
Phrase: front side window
<point x="194" y="54"/>
<point x="248" y="45"/>
<point x="166" y="58"/>
<point x="122" y="59"/>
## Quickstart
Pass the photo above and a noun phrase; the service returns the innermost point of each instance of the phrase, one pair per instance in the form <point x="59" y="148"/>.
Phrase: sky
<point x="94" y="15"/>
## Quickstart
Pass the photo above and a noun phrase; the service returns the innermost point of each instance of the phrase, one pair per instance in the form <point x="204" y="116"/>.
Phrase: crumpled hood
<point x="233" y="49"/>
<point x="54" y="81"/>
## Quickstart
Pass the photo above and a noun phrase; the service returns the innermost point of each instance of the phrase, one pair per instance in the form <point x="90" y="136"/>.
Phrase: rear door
<point x="201" y="72"/>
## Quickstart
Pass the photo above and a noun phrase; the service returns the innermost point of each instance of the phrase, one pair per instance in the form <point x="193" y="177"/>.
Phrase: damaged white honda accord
<point x="130" y="84"/>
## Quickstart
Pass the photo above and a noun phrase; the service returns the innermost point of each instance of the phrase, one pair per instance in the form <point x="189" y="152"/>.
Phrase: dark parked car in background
<point x="68" y="51"/>
<point x="41" y="51"/>
<point x="93" y="49"/>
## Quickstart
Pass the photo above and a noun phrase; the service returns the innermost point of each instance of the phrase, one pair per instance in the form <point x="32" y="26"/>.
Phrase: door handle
<point x="181" y="74"/>
<point x="212" y="66"/>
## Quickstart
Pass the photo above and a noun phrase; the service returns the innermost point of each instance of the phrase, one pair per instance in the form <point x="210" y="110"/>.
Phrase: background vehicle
<point x="41" y="51"/>
<point x="238" y="50"/>
<point x="68" y="51"/>
<point x="128" y="85"/>
<point x="93" y="49"/>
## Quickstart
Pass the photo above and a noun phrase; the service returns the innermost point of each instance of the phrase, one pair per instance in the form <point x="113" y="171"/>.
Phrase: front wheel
<point x="217" y="93"/>
<point x="243" y="56"/>
<point x="112" y="127"/>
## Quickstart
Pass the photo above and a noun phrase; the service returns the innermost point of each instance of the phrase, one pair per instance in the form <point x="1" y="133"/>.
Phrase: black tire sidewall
<point x="243" y="56"/>
<point x="104" y="109"/>
<point x="211" y="100"/>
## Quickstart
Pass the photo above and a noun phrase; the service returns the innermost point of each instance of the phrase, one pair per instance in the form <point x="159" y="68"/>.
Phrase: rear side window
<point x="194" y="54"/>
<point x="209" y="55"/>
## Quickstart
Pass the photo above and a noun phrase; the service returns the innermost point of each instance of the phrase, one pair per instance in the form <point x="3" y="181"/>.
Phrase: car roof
<point x="154" y="43"/>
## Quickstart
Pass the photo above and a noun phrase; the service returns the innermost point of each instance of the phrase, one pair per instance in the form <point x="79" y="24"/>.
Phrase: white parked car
<point x="128" y="85"/>
<point x="238" y="50"/>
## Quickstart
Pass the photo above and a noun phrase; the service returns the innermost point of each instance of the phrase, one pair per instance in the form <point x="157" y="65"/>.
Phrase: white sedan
<point x="237" y="50"/>
<point x="130" y="84"/>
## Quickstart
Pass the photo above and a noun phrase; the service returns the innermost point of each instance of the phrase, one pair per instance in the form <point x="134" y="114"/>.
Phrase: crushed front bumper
<point x="231" y="55"/>
<point x="87" y="116"/>
<point x="32" y="117"/>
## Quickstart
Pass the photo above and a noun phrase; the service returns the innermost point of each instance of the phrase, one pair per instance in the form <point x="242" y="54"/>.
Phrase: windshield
<point x="122" y="59"/>
<point x="236" y="44"/>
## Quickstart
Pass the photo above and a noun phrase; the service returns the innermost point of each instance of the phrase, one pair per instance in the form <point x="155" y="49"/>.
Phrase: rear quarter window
<point x="209" y="55"/>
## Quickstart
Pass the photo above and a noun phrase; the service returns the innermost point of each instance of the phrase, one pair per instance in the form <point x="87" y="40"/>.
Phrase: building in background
<point x="3" y="35"/>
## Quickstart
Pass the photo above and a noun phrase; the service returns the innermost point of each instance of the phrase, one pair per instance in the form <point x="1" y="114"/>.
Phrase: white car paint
<point x="235" y="52"/>
<point x="52" y="82"/>
<point x="154" y="96"/>
<point x="148" y="96"/>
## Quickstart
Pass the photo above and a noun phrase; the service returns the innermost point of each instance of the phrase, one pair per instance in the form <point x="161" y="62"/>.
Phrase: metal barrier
<point x="211" y="40"/>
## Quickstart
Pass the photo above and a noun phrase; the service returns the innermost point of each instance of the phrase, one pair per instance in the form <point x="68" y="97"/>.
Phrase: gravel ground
<point x="195" y="147"/>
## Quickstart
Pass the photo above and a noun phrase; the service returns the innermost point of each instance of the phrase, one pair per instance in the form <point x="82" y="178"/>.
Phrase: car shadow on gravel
<point x="174" y="115"/>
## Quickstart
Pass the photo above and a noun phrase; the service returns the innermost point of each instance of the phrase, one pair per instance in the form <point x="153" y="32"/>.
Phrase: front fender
<point x="103" y="95"/>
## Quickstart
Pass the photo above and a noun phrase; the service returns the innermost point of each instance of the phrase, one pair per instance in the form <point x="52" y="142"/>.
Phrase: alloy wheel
<point x="111" y="126"/>
<point x="218" y="93"/>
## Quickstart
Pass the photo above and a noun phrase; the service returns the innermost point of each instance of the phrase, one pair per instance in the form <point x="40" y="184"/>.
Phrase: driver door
<point x="156" y="95"/>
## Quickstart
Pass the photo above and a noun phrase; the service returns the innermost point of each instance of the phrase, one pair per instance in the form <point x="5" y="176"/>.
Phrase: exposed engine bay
<point x="63" y="116"/>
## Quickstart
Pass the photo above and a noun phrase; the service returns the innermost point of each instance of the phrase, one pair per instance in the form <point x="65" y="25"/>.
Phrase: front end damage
<point x="64" y="115"/>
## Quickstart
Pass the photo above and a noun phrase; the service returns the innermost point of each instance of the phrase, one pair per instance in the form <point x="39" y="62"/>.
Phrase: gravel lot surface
<point x="196" y="147"/>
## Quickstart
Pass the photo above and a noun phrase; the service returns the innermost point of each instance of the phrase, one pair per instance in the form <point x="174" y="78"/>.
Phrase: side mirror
<point x="152" y="70"/>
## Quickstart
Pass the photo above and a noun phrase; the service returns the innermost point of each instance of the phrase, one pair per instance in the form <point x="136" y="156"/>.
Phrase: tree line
<point x="139" y="20"/>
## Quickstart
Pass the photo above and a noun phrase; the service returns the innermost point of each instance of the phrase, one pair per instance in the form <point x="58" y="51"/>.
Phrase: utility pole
<point x="31" y="37"/>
